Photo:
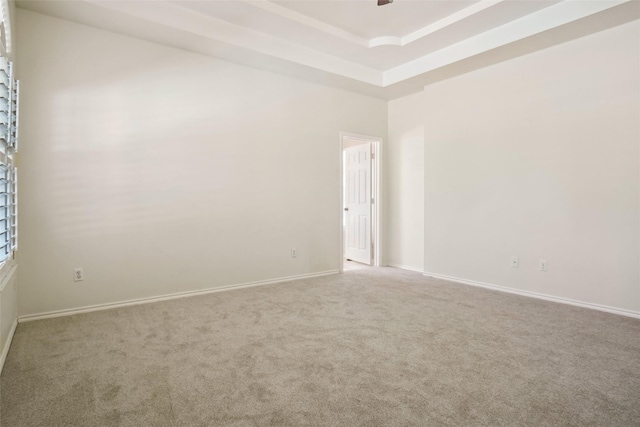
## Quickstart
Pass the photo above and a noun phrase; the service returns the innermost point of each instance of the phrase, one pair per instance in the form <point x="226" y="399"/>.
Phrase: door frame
<point x="376" y="227"/>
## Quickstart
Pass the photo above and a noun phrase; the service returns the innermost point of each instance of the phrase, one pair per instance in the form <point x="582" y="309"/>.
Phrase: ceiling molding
<point x="267" y="34"/>
<point x="388" y="40"/>
<point x="535" y="23"/>
<point x="176" y="17"/>
<point x="436" y="26"/>
<point x="308" y="21"/>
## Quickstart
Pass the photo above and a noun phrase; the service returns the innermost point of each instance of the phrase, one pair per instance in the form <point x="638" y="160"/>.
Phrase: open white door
<point x="358" y="203"/>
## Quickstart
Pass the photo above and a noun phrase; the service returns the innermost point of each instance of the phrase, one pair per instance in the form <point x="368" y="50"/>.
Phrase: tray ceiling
<point x="386" y="51"/>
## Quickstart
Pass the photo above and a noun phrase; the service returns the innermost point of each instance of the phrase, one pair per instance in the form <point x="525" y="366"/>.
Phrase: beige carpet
<point x="373" y="347"/>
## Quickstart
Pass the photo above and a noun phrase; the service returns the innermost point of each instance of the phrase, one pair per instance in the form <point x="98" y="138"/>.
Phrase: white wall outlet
<point x="78" y="274"/>
<point x="294" y="253"/>
<point x="543" y="265"/>
<point x="515" y="262"/>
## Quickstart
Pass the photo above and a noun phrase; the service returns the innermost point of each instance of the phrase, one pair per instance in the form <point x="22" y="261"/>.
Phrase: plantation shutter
<point x="9" y="89"/>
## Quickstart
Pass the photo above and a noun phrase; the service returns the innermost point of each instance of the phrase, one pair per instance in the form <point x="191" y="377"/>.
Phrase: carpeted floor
<point x="372" y="347"/>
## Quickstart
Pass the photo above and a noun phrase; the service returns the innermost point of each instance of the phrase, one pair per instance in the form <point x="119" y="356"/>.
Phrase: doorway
<point x="359" y="201"/>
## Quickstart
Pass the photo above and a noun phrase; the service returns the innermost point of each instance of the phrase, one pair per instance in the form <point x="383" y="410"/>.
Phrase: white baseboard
<point x="7" y="344"/>
<point x="166" y="297"/>
<point x="406" y="267"/>
<point x="620" y="311"/>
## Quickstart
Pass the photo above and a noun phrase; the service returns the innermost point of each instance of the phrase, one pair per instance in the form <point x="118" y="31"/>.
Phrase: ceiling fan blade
<point x="383" y="2"/>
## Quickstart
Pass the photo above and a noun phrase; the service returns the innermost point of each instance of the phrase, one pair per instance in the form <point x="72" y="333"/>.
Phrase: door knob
<point x="346" y="209"/>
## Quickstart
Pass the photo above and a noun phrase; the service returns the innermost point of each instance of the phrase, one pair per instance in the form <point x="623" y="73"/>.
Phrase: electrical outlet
<point x="294" y="253"/>
<point x="78" y="274"/>
<point x="515" y="262"/>
<point x="543" y="265"/>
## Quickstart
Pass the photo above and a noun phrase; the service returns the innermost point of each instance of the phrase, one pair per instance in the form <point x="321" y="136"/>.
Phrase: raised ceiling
<point x="386" y="51"/>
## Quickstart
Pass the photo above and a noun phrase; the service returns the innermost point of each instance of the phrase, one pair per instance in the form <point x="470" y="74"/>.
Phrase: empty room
<point x="320" y="212"/>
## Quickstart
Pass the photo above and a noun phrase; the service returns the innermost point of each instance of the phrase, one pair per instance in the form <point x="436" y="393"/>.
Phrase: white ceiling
<point x="385" y="51"/>
<point x="366" y="19"/>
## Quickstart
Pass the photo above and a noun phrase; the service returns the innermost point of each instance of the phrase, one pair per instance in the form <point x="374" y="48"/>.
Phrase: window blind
<point x="9" y="110"/>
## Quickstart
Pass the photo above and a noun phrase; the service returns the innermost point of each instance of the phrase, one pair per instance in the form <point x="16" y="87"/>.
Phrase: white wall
<point x="405" y="182"/>
<point x="161" y="171"/>
<point x="539" y="157"/>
